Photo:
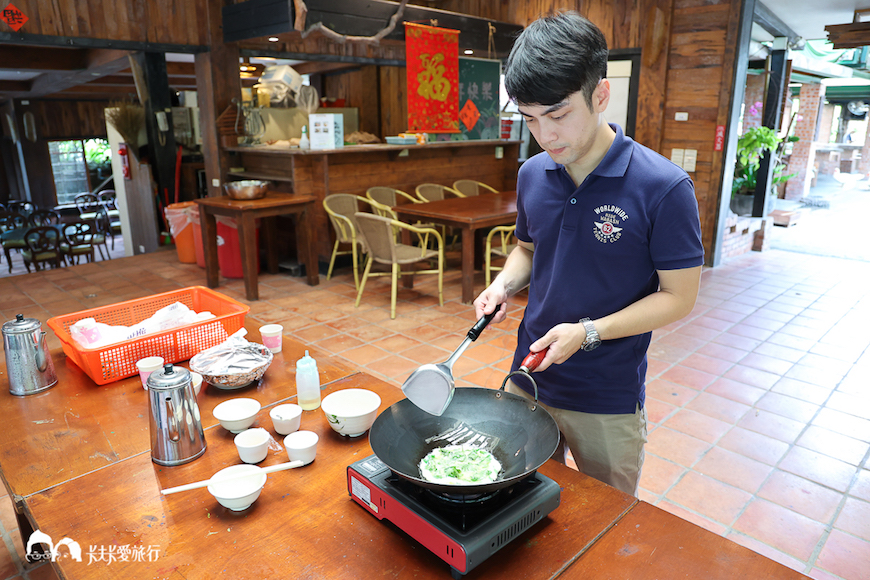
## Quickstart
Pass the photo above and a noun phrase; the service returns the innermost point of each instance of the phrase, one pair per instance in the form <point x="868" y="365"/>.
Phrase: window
<point x="79" y="167"/>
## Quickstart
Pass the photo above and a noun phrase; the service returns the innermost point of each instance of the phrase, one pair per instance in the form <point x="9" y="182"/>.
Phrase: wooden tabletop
<point x="77" y="427"/>
<point x="478" y="211"/>
<point x="273" y="199"/>
<point x="304" y="524"/>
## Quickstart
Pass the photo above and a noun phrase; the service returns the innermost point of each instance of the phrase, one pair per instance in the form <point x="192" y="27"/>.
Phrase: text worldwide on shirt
<point x="608" y="229"/>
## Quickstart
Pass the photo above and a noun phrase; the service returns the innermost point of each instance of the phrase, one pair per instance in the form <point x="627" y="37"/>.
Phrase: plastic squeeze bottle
<point x="304" y="143"/>
<point x="307" y="383"/>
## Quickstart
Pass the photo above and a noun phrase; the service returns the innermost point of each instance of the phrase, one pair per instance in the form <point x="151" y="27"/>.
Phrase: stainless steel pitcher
<point x="176" y="429"/>
<point x="28" y="361"/>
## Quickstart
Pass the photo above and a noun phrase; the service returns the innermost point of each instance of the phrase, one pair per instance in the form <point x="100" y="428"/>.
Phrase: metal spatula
<point x="431" y="386"/>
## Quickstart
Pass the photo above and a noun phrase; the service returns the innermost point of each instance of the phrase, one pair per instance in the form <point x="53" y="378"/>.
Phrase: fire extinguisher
<point x="125" y="160"/>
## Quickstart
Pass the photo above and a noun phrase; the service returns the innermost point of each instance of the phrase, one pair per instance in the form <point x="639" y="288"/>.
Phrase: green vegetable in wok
<point x="457" y="465"/>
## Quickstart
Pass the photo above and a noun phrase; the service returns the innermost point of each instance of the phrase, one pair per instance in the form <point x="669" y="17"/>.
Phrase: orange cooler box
<point x="117" y="361"/>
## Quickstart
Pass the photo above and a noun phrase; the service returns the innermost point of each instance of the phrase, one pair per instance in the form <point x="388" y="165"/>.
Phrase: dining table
<point x="245" y="211"/>
<point x="76" y="460"/>
<point x="467" y="214"/>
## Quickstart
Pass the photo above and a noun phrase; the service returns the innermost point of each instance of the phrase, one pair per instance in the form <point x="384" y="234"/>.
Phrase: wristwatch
<point x="593" y="340"/>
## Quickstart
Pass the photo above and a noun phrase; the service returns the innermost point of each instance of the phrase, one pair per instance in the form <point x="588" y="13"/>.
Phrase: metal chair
<point x="470" y="187"/>
<point x="102" y="231"/>
<point x="12" y="221"/>
<point x="44" y="217"/>
<point x="79" y="241"/>
<point x="501" y="249"/>
<point x="384" y="249"/>
<point x="19" y="206"/>
<point x="435" y="192"/>
<point x="341" y="208"/>
<point x="43" y="246"/>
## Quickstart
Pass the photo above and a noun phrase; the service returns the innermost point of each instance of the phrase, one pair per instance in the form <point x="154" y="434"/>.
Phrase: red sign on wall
<point x="432" y="57"/>
<point x="14" y="17"/>
<point x="719" y="143"/>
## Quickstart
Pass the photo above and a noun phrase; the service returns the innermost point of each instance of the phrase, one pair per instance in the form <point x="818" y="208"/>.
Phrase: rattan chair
<point x="383" y="248"/>
<point x="43" y="246"/>
<point x="341" y="209"/>
<point x="435" y="192"/>
<point x="470" y="187"/>
<point x="502" y="248"/>
<point x="389" y="196"/>
<point x="78" y="241"/>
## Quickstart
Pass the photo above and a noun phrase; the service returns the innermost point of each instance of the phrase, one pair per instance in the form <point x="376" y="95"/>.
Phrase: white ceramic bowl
<point x="351" y="412"/>
<point x="196" y="379"/>
<point x="286" y="418"/>
<point x="236" y="415"/>
<point x="301" y="446"/>
<point x="240" y="493"/>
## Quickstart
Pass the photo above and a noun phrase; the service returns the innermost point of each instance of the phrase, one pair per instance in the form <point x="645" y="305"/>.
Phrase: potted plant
<point x="751" y="147"/>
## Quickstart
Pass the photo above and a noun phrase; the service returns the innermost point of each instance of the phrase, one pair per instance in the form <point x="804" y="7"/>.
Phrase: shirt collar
<point x="615" y="162"/>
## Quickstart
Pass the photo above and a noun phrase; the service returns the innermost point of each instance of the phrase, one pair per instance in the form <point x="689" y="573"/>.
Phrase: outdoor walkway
<point x="759" y="413"/>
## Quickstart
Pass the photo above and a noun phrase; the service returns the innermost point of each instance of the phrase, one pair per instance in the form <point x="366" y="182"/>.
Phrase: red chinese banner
<point x="432" y="57"/>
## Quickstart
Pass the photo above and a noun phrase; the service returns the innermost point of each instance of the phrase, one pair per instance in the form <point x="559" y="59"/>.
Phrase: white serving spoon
<point x="207" y="482"/>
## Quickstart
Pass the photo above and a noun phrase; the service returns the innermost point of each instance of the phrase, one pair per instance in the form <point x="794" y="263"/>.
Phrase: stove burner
<point x="463" y="511"/>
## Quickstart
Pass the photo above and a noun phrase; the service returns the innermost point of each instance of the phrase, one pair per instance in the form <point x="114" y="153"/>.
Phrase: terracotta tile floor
<point x="758" y="401"/>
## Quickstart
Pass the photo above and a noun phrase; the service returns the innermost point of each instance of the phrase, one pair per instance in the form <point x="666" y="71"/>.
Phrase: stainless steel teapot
<point x="28" y="361"/>
<point x="176" y="428"/>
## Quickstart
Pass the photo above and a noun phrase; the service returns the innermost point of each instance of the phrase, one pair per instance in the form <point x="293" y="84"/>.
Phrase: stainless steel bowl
<point x="248" y="189"/>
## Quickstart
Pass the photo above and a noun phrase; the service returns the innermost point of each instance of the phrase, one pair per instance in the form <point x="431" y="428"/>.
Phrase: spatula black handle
<point x="481" y="324"/>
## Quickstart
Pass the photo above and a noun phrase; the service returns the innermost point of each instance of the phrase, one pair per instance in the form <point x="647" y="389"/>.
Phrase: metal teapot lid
<point x="169" y="377"/>
<point x="21" y="325"/>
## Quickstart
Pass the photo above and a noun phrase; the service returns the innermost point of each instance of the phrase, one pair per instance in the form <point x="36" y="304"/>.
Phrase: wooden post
<point x="217" y="84"/>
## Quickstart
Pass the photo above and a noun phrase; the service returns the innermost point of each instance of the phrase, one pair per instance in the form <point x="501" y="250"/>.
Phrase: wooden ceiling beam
<point x="853" y="35"/>
<point x="14" y="86"/>
<point x="41" y="59"/>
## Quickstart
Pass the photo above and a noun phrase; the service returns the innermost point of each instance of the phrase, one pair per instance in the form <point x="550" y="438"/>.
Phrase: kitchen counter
<point x="355" y="168"/>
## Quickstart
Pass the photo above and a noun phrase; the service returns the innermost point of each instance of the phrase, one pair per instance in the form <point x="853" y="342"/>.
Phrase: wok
<point x="521" y="435"/>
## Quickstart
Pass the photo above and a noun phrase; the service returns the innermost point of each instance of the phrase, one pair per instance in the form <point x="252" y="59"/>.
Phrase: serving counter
<point x="355" y="168"/>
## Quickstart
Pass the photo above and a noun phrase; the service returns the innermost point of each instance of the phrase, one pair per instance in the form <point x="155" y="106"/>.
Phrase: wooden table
<point x="245" y="212"/>
<point x="78" y="427"/>
<point x="469" y="214"/>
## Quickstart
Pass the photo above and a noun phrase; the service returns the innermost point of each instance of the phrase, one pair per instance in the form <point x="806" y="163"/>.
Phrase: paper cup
<point x="147" y="366"/>
<point x="272" y="334"/>
<point x="286" y="418"/>
<point x="301" y="446"/>
<point x="253" y="445"/>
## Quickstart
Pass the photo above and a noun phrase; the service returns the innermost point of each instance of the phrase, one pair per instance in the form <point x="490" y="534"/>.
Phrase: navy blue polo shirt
<point x="597" y="249"/>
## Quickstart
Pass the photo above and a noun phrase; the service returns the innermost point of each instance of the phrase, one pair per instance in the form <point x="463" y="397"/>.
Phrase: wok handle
<point x="481" y="324"/>
<point x="533" y="359"/>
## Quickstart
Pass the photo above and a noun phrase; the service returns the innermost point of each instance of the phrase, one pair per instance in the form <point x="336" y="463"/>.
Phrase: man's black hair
<point x="554" y="57"/>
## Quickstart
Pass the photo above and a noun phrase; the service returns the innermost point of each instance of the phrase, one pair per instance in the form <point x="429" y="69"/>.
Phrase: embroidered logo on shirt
<point x="607" y="230"/>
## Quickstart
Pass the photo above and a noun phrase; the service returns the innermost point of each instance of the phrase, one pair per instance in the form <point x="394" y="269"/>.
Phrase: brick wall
<point x="754" y="94"/>
<point x="803" y="154"/>
<point x="739" y="235"/>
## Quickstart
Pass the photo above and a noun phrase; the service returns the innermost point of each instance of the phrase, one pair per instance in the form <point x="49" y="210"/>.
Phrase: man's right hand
<point x="492" y="299"/>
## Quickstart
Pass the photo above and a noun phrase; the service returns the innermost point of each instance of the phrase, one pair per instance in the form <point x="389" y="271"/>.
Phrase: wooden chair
<point x="22" y="207"/>
<point x="13" y="221"/>
<point x="78" y="241"/>
<point x="435" y="192"/>
<point x="502" y="248"/>
<point x="341" y="208"/>
<point x="44" y="217"/>
<point x="470" y="187"/>
<point x="384" y="249"/>
<point x="102" y="232"/>
<point x="86" y="203"/>
<point x="43" y="245"/>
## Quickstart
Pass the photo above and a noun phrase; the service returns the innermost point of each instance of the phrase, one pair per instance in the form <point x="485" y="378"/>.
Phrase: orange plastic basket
<point x="118" y="361"/>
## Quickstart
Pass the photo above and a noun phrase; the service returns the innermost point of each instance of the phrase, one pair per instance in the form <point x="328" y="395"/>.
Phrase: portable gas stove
<point x="463" y="530"/>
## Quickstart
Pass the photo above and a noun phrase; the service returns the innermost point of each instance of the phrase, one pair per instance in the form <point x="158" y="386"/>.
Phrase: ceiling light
<point x="469" y="51"/>
<point x="273" y="39"/>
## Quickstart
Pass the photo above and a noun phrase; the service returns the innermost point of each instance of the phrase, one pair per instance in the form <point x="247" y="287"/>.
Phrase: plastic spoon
<point x="207" y="482"/>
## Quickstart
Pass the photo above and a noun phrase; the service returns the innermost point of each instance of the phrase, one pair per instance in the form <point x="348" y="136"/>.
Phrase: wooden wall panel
<point x="157" y="21"/>
<point x="68" y="119"/>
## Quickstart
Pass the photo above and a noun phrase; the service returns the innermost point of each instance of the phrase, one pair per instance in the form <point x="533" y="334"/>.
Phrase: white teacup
<point x="286" y="418"/>
<point x="301" y="446"/>
<point x="253" y="445"/>
<point x="146" y="366"/>
<point x="196" y="379"/>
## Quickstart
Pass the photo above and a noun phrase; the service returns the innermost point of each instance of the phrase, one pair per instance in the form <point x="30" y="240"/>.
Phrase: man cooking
<point x="609" y="246"/>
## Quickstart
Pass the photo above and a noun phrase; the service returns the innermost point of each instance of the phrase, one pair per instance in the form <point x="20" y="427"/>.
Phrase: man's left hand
<point x="563" y="339"/>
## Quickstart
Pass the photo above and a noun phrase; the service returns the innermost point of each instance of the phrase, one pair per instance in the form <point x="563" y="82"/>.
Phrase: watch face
<point x="592" y="345"/>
